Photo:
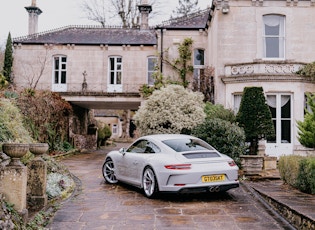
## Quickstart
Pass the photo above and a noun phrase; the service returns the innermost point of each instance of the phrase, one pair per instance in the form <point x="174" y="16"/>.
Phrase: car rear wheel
<point x="150" y="184"/>
<point x="109" y="171"/>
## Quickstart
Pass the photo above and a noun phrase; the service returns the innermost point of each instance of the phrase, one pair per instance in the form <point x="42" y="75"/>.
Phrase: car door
<point x="137" y="158"/>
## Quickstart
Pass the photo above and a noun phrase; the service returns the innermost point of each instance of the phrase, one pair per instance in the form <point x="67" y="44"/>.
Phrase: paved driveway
<point x="97" y="205"/>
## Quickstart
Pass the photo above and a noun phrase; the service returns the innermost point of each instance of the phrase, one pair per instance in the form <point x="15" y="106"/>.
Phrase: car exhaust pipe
<point x="214" y="189"/>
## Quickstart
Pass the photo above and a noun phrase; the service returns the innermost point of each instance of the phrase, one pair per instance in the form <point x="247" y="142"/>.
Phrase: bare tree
<point x="121" y="12"/>
<point x="185" y="7"/>
<point x="34" y="72"/>
<point x="95" y="10"/>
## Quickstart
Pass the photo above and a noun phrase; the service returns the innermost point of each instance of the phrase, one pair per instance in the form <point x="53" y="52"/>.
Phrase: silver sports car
<point x="171" y="163"/>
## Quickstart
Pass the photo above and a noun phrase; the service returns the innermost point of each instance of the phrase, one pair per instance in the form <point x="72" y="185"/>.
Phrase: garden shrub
<point x="103" y="133"/>
<point x="218" y="111"/>
<point x="306" y="175"/>
<point x="289" y="168"/>
<point x="172" y="109"/>
<point x="226" y="137"/>
<point x="11" y="123"/>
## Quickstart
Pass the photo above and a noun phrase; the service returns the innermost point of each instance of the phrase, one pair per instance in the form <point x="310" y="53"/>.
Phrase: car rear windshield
<point x="182" y="145"/>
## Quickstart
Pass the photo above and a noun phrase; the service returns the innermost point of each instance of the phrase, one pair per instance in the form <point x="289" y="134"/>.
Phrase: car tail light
<point x="178" y="166"/>
<point x="232" y="163"/>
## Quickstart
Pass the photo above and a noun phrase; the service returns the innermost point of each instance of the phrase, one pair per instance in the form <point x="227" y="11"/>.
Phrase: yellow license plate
<point x="212" y="178"/>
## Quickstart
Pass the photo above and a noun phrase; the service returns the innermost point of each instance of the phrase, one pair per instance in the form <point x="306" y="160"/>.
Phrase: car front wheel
<point x="109" y="171"/>
<point x="150" y="184"/>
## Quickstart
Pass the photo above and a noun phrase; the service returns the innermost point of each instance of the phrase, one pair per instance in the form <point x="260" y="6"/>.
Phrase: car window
<point x="182" y="145"/>
<point x="143" y="146"/>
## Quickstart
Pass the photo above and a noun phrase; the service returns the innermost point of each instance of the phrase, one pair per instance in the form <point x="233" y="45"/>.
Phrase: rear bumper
<point x="200" y="189"/>
<point x="214" y="188"/>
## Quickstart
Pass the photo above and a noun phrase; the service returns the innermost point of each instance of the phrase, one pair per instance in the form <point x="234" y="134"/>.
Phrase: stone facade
<point x="233" y="37"/>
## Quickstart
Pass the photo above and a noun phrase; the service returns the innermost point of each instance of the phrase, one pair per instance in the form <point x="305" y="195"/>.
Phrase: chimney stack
<point x="33" y="12"/>
<point x="145" y="10"/>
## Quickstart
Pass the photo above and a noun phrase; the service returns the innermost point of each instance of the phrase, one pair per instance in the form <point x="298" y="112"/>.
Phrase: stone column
<point x="36" y="184"/>
<point x="14" y="183"/>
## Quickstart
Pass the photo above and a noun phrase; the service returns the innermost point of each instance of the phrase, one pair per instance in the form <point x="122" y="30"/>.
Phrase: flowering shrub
<point x="172" y="109"/>
<point x="57" y="183"/>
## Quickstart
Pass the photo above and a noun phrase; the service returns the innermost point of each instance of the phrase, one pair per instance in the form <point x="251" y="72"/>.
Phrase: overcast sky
<point x="56" y="14"/>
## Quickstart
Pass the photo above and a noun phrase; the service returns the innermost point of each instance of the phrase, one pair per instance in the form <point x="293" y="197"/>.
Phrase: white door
<point x="280" y="106"/>
<point x="59" y="74"/>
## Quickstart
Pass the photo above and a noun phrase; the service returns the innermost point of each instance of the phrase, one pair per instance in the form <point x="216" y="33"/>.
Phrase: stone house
<point x="247" y="43"/>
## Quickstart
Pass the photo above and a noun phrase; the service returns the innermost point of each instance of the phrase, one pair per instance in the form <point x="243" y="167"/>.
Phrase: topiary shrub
<point x="255" y="117"/>
<point x="226" y="137"/>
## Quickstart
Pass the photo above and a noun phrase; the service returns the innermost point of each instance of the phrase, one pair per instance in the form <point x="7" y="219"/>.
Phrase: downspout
<point x="161" y="56"/>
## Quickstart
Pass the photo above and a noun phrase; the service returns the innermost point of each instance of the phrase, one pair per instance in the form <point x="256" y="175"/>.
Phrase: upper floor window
<point x="199" y="61"/>
<point x="152" y="64"/>
<point x="274" y="36"/>
<point x="60" y="69"/>
<point x="115" y="70"/>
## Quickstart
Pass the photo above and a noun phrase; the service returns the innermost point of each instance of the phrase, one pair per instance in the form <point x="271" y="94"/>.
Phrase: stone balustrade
<point x="263" y="70"/>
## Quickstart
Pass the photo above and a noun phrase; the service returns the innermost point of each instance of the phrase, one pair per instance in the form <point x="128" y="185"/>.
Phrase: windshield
<point x="182" y="145"/>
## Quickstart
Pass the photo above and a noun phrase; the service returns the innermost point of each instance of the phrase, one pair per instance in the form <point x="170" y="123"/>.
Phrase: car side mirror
<point x="123" y="151"/>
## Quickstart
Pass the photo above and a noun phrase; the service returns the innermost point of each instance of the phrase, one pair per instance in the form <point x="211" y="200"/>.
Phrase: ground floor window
<point x="280" y="106"/>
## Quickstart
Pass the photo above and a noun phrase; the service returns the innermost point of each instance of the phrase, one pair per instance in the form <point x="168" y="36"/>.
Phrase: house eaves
<point x="91" y="35"/>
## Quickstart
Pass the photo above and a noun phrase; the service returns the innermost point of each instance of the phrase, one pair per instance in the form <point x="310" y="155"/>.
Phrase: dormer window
<point x="274" y="36"/>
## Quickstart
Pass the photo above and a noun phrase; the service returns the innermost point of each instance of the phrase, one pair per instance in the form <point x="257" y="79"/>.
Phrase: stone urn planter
<point x="38" y="148"/>
<point x="16" y="151"/>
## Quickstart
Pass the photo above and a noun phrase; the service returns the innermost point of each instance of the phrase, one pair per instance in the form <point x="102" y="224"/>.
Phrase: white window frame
<point x="62" y="68"/>
<point x="273" y="20"/>
<point x="117" y="70"/>
<point x="151" y="60"/>
<point x="198" y="67"/>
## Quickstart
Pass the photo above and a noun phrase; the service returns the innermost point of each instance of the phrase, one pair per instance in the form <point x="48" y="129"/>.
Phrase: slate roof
<point x="91" y="35"/>
<point x="194" y="21"/>
<point x="95" y="35"/>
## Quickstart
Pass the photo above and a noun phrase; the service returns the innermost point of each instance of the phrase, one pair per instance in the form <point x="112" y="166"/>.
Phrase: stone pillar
<point x="14" y="183"/>
<point x="36" y="184"/>
<point x="261" y="147"/>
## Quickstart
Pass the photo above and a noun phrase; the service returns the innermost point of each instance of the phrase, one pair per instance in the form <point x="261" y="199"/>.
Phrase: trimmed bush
<point x="289" y="168"/>
<point x="299" y="172"/>
<point x="306" y="175"/>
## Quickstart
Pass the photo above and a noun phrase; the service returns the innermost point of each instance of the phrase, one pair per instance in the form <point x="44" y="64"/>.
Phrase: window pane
<point x="199" y="57"/>
<point x="56" y="77"/>
<point x="63" y="77"/>
<point x="119" y="60"/>
<point x="151" y="64"/>
<point x="272" y="30"/>
<point x="118" y="78"/>
<point x="118" y="66"/>
<point x="286" y="106"/>
<point x="64" y="59"/>
<point x="272" y="47"/>
<point x="112" y="63"/>
<point x="56" y="63"/>
<point x="286" y="131"/>
<point x="112" y="78"/>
